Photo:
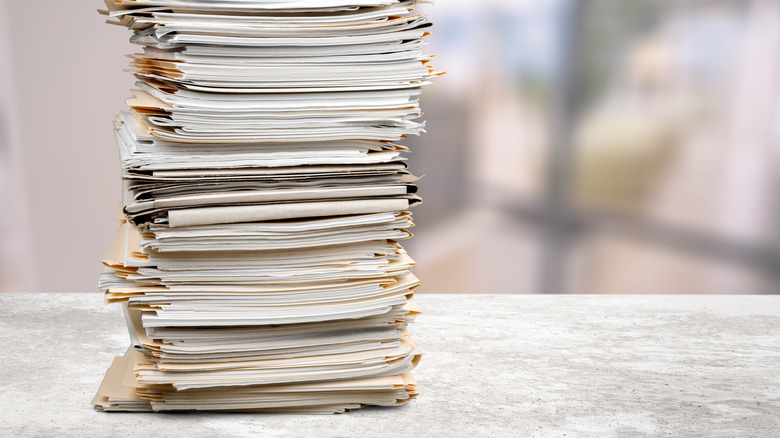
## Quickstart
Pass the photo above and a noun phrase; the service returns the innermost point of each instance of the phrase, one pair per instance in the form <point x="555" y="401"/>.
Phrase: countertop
<point x="493" y="365"/>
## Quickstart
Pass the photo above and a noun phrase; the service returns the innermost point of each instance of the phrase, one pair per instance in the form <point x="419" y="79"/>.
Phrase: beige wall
<point x="63" y="84"/>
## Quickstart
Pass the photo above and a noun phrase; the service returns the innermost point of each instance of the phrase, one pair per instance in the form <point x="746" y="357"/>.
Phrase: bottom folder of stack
<point x="121" y="391"/>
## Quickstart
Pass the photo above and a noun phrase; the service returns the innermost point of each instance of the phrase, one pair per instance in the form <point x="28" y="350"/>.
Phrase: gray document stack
<point x="258" y="258"/>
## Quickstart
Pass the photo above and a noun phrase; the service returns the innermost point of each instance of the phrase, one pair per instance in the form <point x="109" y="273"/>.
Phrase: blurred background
<point x="591" y="146"/>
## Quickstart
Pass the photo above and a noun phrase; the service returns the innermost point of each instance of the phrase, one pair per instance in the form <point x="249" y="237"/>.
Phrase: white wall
<point x="62" y="85"/>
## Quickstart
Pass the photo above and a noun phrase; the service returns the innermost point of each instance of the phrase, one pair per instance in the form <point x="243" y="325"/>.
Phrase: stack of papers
<point x="258" y="258"/>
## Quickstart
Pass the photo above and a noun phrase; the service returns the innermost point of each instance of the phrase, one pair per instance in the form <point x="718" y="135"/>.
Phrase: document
<point x="266" y="196"/>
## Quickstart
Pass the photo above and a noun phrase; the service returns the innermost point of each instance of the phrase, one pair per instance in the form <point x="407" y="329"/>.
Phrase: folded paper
<point x="266" y="194"/>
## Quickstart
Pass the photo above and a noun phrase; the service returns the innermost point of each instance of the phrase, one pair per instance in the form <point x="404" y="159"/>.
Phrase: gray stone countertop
<point x="493" y="365"/>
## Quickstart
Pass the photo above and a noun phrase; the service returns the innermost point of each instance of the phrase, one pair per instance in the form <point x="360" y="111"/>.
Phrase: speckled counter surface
<point x="493" y="365"/>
